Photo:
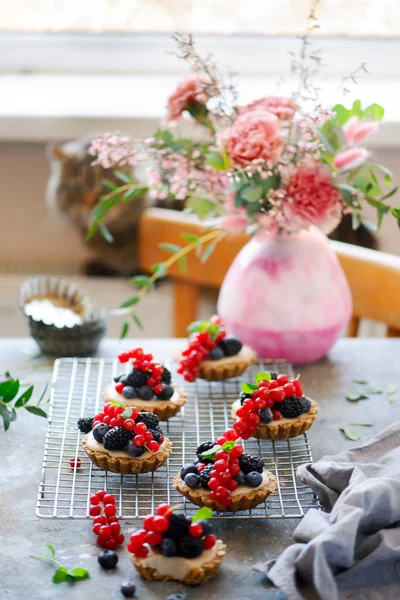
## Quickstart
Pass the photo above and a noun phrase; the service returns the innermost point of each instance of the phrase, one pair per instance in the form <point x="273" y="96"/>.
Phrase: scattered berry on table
<point x="128" y="589"/>
<point x="85" y="424"/>
<point x="108" y="559"/>
<point x="116" y="438"/>
<point x="251" y="462"/>
<point x="100" y="431"/>
<point x="72" y="463"/>
<point x="176" y="597"/>
<point x="254" y="479"/>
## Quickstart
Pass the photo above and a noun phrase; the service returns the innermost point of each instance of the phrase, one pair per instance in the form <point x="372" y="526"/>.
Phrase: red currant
<point x="111" y="544"/>
<point x="298" y="387"/>
<point x="129" y="424"/>
<point x="105" y="531"/>
<point x="234" y="470"/>
<point x="209" y="541"/>
<point x="109" y="499"/>
<point x="153" y="446"/>
<point x="101" y="520"/>
<point x="231" y="435"/>
<point x="221" y="440"/>
<point x="139" y="440"/>
<point x="157" y="389"/>
<point x="115" y="528"/>
<point x="119" y="387"/>
<point x="148" y="523"/>
<point x="96" y="528"/>
<point x="154" y="538"/>
<point x="276" y="415"/>
<point x="124" y="357"/>
<point x="135" y="413"/>
<point x="100" y="494"/>
<point x="164" y="510"/>
<point x="142" y="551"/>
<point x="94" y="511"/>
<point x="139" y="536"/>
<point x="72" y="463"/>
<point x="220" y="465"/>
<point x="140" y="428"/>
<point x="94" y="499"/>
<point x="119" y="539"/>
<point x="110" y="510"/>
<point x="160" y="524"/>
<point x="148" y="436"/>
<point x="152" y="381"/>
<point x="277" y="395"/>
<point x="213" y="483"/>
<point x="289" y="390"/>
<point x="196" y="530"/>
<point x="99" y="417"/>
<point x="282" y="379"/>
<point x="233" y="484"/>
<point x="222" y="455"/>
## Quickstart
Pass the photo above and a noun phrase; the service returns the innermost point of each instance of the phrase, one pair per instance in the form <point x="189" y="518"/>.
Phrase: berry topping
<point x="178" y="526"/>
<point x="231" y="346"/>
<point x="128" y="589"/>
<point x="133" y="450"/>
<point x="85" y="425"/>
<point x="204" y="476"/>
<point x="145" y="392"/>
<point x="137" y="378"/>
<point x="190" y="547"/>
<point x="116" y="438"/>
<point x="216" y="353"/>
<point x="209" y="542"/>
<point x="108" y="559"/>
<point x="100" y="431"/>
<point x="204" y="447"/>
<point x="166" y="376"/>
<point x="129" y="392"/>
<point x="166" y="393"/>
<point x="169" y="547"/>
<point x="294" y="407"/>
<point x="265" y="415"/>
<point x="251" y="462"/>
<point x="192" y="480"/>
<point x="253" y="479"/>
<point x="149" y="419"/>
<point x="119" y="387"/>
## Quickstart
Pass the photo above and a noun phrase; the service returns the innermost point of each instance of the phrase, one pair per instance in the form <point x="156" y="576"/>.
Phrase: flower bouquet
<point x="284" y="169"/>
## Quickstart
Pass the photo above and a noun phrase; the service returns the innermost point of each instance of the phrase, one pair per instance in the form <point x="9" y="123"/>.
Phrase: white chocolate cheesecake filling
<point x="111" y="395"/>
<point x="178" y="566"/>
<point x="236" y="405"/>
<point x="97" y="447"/>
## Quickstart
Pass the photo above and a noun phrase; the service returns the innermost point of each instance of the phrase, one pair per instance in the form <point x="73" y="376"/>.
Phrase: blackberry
<point x="167" y="392"/>
<point x="203" y="448"/>
<point x="157" y="434"/>
<point x="231" y="346"/>
<point x="149" y="419"/>
<point x="243" y="396"/>
<point x="116" y="439"/>
<point x="137" y="378"/>
<point x="178" y="526"/>
<point x="251" y="462"/>
<point x="85" y="424"/>
<point x="205" y="476"/>
<point x="190" y="547"/>
<point x="166" y="376"/>
<point x="294" y="407"/>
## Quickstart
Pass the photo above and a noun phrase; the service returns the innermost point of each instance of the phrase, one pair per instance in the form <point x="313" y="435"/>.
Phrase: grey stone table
<point x="21" y="454"/>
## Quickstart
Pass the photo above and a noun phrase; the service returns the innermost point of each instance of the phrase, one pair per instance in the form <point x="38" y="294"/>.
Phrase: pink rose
<point x="312" y="198"/>
<point x="253" y="136"/>
<point x="191" y="89"/>
<point x="283" y="108"/>
<point x="350" y="159"/>
<point x="356" y="130"/>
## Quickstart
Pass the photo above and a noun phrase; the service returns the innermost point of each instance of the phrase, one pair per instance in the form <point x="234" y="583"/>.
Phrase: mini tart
<point x="192" y="571"/>
<point x="241" y="500"/>
<point x="164" y="409"/>
<point x="284" y="428"/>
<point x="117" y="462"/>
<point x="227" y="367"/>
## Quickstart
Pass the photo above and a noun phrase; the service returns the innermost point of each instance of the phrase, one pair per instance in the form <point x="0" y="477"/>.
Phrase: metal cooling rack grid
<point x="64" y="492"/>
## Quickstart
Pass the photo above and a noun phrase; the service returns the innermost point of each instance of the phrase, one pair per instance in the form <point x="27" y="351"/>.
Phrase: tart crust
<point x="283" y="430"/>
<point x="227" y="367"/>
<point x="195" y="575"/>
<point x="245" y="501"/>
<point x="164" y="409"/>
<point x="129" y="466"/>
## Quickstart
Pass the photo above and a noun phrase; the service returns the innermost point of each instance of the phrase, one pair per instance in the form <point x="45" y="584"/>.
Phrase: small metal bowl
<point x="62" y="319"/>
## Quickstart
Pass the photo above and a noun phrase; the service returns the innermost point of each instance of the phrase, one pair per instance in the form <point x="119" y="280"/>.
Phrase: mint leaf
<point x="202" y="514"/>
<point x="211" y="453"/>
<point x="263" y="376"/>
<point x="79" y="574"/>
<point x="197" y="326"/>
<point x="391" y="389"/>
<point x="351" y="434"/>
<point x="61" y="575"/>
<point x="116" y="403"/>
<point x="392" y="398"/>
<point x="360" y="381"/>
<point x="50" y="547"/>
<point x="355" y="397"/>
<point x="228" y="446"/>
<point x="127" y="413"/>
<point x="363" y="424"/>
<point x="248" y="388"/>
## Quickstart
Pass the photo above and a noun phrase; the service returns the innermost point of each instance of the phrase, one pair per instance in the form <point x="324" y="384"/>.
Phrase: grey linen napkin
<point x="354" y="549"/>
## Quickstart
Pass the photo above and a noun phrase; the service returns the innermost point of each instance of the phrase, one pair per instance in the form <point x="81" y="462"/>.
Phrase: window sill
<point x="43" y="107"/>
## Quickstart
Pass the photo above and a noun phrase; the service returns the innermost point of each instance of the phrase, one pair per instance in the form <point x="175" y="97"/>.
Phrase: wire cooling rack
<point x="64" y="490"/>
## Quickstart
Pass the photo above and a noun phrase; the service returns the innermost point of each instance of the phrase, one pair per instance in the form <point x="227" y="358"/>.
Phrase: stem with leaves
<point x="9" y="403"/>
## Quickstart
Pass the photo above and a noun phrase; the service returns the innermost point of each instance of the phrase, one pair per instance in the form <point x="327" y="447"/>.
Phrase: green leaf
<point x="203" y="514"/>
<point x="24" y="398"/>
<point x="160" y="269"/>
<point x="211" y="453"/>
<point x="347" y="192"/>
<point x="251" y="193"/>
<point x="79" y="574"/>
<point x="375" y="112"/>
<point x="189" y="238"/>
<point x="351" y="434"/>
<point x="141" y="280"/>
<point x="387" y="174"/>
<point x="137" y="321"/>
<point x="392" y="398"/>
<point x="130" y="302"/>
<point x="355" y="397"/>
<point x="183" y="264"/>
<point x="105" y="233"/>
<point x="216" y="160"/>
<point x="173" y="248"/>
<point x="227" y="446"/>
<point x="363" y="424"/>
<point x="357" y="110"/>
<point x="116" y="403"/>
<point x="36" y="410"/>
<point x="5" y="413"/>
<point x="43" y="394"/>
<point x="197" y="326"/>
<point x="10" y="391"/>
<point x="61" y="575"/>
<point x="13" y="415"/>
<point x="204" y="207"/>
<point x="391" y="389"/>
<point x="361" y="381"/>
<point x="208" y="250"/>
<point x="110" y="185"/>
<point x="342" y="114"/>
<point x="50" y="547"/>
<point x="328" y="147"/>
<point x="248" y="388"/>
<point x="127" y="413"/>
<point x="263" y="376"/>
<point x="124" y="177"/>
<point x="124" y="330"/>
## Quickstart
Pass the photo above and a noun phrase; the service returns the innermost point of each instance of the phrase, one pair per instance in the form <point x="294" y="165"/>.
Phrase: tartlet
<point x="273" y="409"/>
<point x="212" y="355"/>
<point x="174" y="547"/>
<point x="239" y="484"/>
<point x="148" y="386"/>
<point x="124" y="440"/>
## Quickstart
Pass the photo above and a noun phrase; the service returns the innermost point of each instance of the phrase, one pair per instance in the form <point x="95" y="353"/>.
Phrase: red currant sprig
<point x="143" y="362"/>
<point x="201" y="342"/>
<point x="105" y="523"/>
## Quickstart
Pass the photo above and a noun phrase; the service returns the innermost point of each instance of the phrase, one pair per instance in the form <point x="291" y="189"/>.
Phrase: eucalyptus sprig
<point x="9" y="403"/>
<point x="62" y="574"/>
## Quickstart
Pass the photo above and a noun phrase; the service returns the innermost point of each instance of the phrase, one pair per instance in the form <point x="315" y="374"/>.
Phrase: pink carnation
<point x="191" y="89"/>
<point x="254" y="136"/>
<point x="283" y="108"/>
<point x="313" y="199"/>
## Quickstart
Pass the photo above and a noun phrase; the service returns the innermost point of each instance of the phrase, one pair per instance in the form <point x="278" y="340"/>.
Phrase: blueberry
<point x="168" y="547"/>
<point x="265" y="415"/>
<point x="188" y="468"/>
<point x="176" y="597"/>
<point x="108" y="559"/>
<point x="134" y="451"/>
<point x="206" y="525"/>
<point x="273" y="375"/>
<point x="145" y="392"/>
<point x="216" y="353"/>
<point x="254" y="479"/>
<point x="241" y="478"/>
<point x="192" y="480"/>
<point x="100" y="431"/>
<point x="167" y="393"/>
<point x="128" y="589"/>
<point x="129" y="392"/>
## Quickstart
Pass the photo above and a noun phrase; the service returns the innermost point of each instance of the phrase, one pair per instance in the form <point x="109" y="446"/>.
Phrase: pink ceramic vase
<point x="287" y="297"/>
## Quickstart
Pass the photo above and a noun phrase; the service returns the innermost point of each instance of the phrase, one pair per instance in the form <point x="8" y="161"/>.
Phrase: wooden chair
<point x="374" y="277"/>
